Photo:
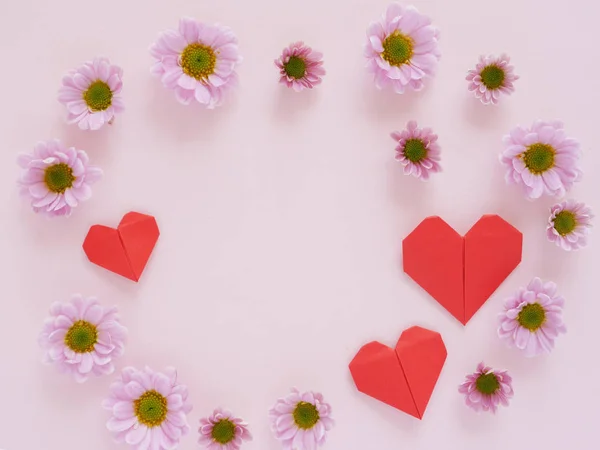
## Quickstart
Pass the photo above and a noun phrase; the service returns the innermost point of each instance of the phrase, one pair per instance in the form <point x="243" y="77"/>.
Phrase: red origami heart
<point x="403" y="377"/>
<point x="124" y="250"/>
<point x="461" y="273"/>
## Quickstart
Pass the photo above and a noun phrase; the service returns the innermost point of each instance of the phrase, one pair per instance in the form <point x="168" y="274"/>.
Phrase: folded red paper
<point x="126" y="249"/>
<point x="461" y="273"/>
<point x="403" y="377"/>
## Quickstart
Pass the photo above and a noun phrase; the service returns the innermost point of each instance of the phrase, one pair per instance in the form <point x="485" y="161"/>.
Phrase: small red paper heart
<point x="461" y="273"/>
<point x="124" y="250"/>
<point x="403" y="377"/>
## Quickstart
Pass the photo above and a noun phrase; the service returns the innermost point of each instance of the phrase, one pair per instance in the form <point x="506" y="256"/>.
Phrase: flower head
<point x="82" y="338"/>
<point x="197" y="61"/>
<point x="532" y="318"/>
<point x="569" y="224"/>
<point x="223" y="431"/>
<point x="148" y="408"/>
<point x="491" y="77"/>
<point x="56" y="178"/>
<point x="92" y="94"/>
<point x="300" y="66"/>
<point x="485" y="389"/>
<point x="417" y="150"/>
<point x="402" y="49"/>
<point x="542" y="159"/>
<point x="301" y="420"/>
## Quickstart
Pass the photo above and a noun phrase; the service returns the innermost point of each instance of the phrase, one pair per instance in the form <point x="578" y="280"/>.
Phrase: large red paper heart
<point x="403" y="377"/>
<point x="126" y="249"/>
<point x="461" y="273"/>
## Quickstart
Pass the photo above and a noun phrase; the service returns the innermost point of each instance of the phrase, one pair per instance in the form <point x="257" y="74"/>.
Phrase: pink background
<point x="282" y="217"/>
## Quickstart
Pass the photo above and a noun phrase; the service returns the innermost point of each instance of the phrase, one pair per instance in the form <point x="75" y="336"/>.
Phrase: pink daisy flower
<point x="82" y="338"/>
<point x="542" y="159"/>
<point x="533" y="318"/>
<point x="417" y="150"/>
<point x="402" y="49"/>
<point x="223" y="431"/>
<point x="197" y="61"/>
<point x="485" y="389"/>
<point x="148" y="408"/>
<point x="301" y="420"/>
<point x="300" y="67"/>
<point x="491" y="77"/>
<point x="569" y="224"/>
<point x="56" y="178"/>
<point x="92" y="94"/>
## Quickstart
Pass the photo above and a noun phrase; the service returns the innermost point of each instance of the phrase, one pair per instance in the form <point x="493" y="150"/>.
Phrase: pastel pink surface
<point x="282" y="216"/>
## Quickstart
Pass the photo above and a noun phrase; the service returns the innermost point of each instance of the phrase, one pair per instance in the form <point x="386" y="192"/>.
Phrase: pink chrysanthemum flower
<point x="491" y="77"/>
<point x="223" y="431"/>
<point x="301" y="420"/>
<point x="569" y="224"/>
<point x="533" y="318"/>
<point x="92" y="94"/>
<point x="485" y="389"/>
<point x="82" y="338"/>
<point x="56" y="178"/>
<point x="300" y="67"/>
<point x="197" y="61"/>
<point x="417" y="150"/>
<point x="542" y="159"/>
<point x="149" y="409"/>
<point x="402" y="49"/>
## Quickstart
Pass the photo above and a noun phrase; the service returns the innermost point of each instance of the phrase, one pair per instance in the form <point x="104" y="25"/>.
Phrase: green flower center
<point x="532" y="316"/>
<point x="295" y="67"/>
<point x="415" y="150"/>
<point x="223" y="431"/>
<point x="198" y="61"/>
<point x="98" y="96"/>
<point x="151" y="409"/>
<point x="565" y="222"/>
<point x="487" y="383"/>
<point x="81" y="337"/>
<point x="492" y="77"/>
<point x="538" y="158"/>
<point x="59" y="178"/>
<point x="397" y="49"/>
<point x="306" y="415"/>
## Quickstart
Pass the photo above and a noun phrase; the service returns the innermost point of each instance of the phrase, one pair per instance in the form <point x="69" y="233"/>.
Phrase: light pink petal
<point x="202" y="94"/>
<point x="120" y="425"/>
<point x="136" y="435"/>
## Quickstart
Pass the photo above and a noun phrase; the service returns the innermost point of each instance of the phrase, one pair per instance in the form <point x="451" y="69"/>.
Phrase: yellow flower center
<point x="59" y="178"/>
<point x="223" y="431"/>
<point x="487" y="383"/>
<point x="532" y="316"/>
<point x="81" y="337"/>
<point x="98" y="96"/>
<point x="151" y="409"/>
<point x="565" y="222"/>
<point x="306" y="415"/>
<point x="295" y="67"/>
<point x="415" y="151"/>
<point x="539" y="158"/>
<point x="198" y="61"/>
<point x="397" y="49"/>
<point x="492" y="77"/>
